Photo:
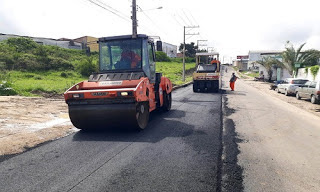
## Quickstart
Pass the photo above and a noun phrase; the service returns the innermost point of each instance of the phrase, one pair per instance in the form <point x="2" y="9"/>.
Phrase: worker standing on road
<point x="232" y="81"/>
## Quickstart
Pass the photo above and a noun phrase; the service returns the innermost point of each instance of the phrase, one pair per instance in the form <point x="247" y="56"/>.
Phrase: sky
<point x="231" y="27"/>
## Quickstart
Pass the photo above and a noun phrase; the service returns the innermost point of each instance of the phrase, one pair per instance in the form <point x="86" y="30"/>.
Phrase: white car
<point x="289" y="85"/>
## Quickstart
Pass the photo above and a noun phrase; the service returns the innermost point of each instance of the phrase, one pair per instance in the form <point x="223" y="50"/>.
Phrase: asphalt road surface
<point x="279" y="146"/>
<point x="179" y="151"/>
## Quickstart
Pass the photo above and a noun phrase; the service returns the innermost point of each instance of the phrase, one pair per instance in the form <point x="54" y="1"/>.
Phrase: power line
<point x="111" y="11"/>
<point x="112" y="8"/>
<point x="176" y="20"/>
<point x="185" y="23"/>
<point x="187" y="17"/>
<point x="152" y="21"/>
<point x="193" y="18"/>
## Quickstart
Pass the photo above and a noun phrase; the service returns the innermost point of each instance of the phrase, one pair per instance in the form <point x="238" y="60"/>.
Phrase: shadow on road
<point x="161" y="125"/>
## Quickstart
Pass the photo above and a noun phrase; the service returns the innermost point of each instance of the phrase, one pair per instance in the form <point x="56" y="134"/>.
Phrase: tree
<point x="270" y="63"/>
<point x="191" y="49"/>
<point x="291" y="57"/>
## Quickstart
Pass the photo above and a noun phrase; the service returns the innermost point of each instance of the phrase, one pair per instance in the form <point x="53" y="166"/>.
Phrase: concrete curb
<point x="180" y="86"/>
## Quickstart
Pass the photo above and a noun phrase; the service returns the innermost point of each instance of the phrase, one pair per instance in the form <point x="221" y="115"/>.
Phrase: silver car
<point x="289" y="86"/>
<point x="310" y="90"/>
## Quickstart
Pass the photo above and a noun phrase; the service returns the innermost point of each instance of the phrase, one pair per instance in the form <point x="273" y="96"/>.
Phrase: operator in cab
<point x="215" y="61"/>
<point x="129" y="59"/>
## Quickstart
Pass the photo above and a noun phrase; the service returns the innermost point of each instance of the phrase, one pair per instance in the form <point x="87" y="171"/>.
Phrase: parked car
<point x="289" y="85"/>
<point x="309" y="90"/>
<point x="275" y="84"/>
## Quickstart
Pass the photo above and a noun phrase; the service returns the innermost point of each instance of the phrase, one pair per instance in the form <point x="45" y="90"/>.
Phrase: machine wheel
<point x="277" y="90"/>
<point x="167" y="101"/>
<point x="298" y="96"/>
<point x="314" y="100"/>
<point x="142" y="115"/>
<point x="194" y="87"/>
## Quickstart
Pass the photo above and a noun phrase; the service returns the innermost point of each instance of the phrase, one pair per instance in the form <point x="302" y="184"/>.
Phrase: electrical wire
<point x="187" y="17"/>
<point x="111" y="11"/>
<point x="126" y="16"/>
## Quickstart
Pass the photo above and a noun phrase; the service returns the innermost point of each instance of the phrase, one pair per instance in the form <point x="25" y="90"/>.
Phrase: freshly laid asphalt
<point x="180" y="150"/>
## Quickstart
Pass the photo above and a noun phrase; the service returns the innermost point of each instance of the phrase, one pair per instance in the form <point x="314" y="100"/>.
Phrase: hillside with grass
<point x="30" y="69"/>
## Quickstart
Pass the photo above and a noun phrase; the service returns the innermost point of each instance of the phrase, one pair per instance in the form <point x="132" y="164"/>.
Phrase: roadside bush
<point x="314" y="70"/>
<point x="27" y="62"/>
<point x="87" y="67"/>
<point x="190" y="60"/>
<point x="6" y="85"/>
<point x="22" y="44"/>
<point x="6" y="90"/>
<point x="162" y="57"/>
<point x="63" y="74"/>
<point x="56" y="63"/>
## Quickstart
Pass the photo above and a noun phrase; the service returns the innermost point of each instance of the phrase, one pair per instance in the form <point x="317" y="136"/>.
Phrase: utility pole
<point x="134" y="19"/>
<point x="202" y="45"/>
<point x="210" y="49"/>
<point x="184" y="48"/>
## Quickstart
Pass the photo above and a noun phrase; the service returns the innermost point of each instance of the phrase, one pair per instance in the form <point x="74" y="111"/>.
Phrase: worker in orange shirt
<point x="214" y="60"/>
<point x="133" y="57"/>
<point x="232" y="81"/>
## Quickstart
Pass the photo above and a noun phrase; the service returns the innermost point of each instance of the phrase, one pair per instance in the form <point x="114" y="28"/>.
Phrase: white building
<point x="257" y="55"/>
<point x="169" y="49"/>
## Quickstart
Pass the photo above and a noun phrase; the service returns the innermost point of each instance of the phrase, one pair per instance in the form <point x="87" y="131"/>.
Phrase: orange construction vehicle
<point x="126" y="89"/>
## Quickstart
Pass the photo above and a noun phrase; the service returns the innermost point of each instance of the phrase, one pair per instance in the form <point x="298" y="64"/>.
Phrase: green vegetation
<point x="57" y="82"/>
<point x="162" y="57"/>
<point x="173" y="70"/>
<point x="252" y="74"/>
<point x="26" y="55"/>
<point x="191" y="49"/>
<point x="37" y="83"/>
<point x="293" y="57"/>
<point x="29" y="69"/>
<point x="314" y="70"/>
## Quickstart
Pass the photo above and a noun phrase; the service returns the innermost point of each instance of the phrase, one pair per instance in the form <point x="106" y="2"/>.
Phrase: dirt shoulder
<point x="26" y="122"/>
<point x="265" y="87"/>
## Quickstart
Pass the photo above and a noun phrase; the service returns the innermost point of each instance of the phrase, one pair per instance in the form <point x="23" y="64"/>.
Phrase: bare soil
<point x="265" y="87"/>
<point x="26" y="122"/>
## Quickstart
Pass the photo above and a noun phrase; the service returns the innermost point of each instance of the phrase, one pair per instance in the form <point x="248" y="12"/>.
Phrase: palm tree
<point x="269" y="63"/>
<point x="291" y="57"/>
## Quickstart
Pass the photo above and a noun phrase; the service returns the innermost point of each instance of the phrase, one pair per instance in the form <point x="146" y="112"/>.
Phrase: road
<point x="244" y="140"/>
<point x="179" y="151"/>
<point x="279" y="148"/>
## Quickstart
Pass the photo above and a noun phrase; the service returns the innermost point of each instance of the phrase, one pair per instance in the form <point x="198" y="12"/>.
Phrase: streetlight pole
<point x="134" y="19"/>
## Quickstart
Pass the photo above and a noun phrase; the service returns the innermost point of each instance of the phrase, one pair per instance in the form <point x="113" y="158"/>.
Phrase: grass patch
<point x="173" y="70"/>
<point x="252" y="74"/>
<point x="32" y="83"/>
<point x="57" y="82"/>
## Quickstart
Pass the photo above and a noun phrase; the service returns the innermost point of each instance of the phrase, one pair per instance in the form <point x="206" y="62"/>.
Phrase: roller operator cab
<point x="126" y="89"/>
<point x="207" y="78"/>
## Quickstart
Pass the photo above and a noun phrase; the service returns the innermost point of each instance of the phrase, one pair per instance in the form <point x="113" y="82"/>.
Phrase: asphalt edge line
<point x="220" y="164"/>
<point x="180" y="86"/>
<point x="231" y="174"/>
